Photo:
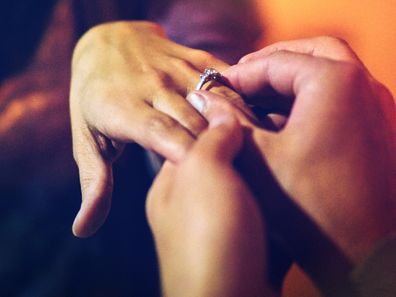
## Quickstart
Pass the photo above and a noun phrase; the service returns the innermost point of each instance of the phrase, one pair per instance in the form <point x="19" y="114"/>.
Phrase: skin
<point x="129" y="84"/>
<point x="334" y="157"/>
<point x="332" y="152"/>
<point x="210" y="237"/>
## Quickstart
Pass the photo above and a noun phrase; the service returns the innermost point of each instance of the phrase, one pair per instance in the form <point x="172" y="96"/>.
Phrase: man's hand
<point x="335" y="156"/>
<point x="129" y="85"/>
<point x="209" y="234"/>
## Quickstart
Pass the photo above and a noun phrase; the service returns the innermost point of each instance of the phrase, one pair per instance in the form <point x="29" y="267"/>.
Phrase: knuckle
<point x="203" y="57"/>
<point x="96" y="39"/>
<point x="196" y="125"/>
<point x="246" y="59"/>
<point x="352" y="73"/>
<point x="279" y="53"/>
<point x="340" y="47"/>
<point x="181" y="64"/>
<point x="385" y="95"/>
<point x="333" y="41"/>
<point x="94" y="32"/>
<point x="346" y="73"/>
<point x="159" y="124"/>
<point x="88" y="41"/>
<point x="160" y="80"/>
<point x="102" y="31"/>
<point x="155" y="27"/>
<point x="144" y="26"/>
<point x="193" y="123"/>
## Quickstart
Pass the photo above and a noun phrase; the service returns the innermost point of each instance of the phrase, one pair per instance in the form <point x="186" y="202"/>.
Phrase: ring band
<point x="208" y="75"/>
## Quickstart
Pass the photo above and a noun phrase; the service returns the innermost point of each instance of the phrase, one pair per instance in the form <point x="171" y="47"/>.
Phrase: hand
<point x="208" y="231"/>
<point x="335" y="155"/>
<point x="129" y="85"/>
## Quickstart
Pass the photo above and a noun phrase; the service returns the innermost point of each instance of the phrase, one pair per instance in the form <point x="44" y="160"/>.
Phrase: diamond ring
<point x="208" y="75"/>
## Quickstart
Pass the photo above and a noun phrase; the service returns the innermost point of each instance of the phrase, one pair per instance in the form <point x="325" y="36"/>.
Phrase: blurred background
<point x="33" y="223"/>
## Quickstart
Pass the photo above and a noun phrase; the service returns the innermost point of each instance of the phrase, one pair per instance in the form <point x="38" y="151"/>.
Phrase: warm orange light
<point x="369" y="26"/>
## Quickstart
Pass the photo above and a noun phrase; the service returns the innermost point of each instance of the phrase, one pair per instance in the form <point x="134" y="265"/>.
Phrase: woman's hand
<point x="208" y="230"/>
<point x="129" y="85"/>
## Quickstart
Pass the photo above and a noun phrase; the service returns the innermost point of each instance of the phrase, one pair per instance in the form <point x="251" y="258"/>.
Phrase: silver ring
<point x="208" y="75"/>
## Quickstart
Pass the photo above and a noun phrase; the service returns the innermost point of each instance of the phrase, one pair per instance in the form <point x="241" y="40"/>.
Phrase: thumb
<point x="222" y="141"/>
<point x="213" y="106"/>
<point x="96" y="181"/>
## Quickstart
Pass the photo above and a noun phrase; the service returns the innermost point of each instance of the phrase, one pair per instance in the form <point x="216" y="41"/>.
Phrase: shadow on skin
<point x="291" y="232"/>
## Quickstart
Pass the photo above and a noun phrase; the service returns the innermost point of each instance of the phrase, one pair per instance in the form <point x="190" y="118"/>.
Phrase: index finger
<point x="322" y="47"/>
<point x="280" y="71"/>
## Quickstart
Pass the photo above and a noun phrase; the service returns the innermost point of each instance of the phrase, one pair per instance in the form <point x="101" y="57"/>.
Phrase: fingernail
<point x="221" y="119"/>
<point x="197" y="101"/>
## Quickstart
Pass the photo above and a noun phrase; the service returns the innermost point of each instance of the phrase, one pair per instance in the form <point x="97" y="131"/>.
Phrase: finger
<point x="282" y="71"/>
<point x="180" y="110"/>
<point x="186" y="66"/>
<point x="310" y="81"/>
<point x="184" y="73"/>
<point x="201" y="59"/>
<point x="219" y="88"/>
<point x="96" y="185"/>
<point x="150" y="128"/>
<point x="193" y="77"/>
<point x="212" y="105"/>
<point x="221" y="142"/>
<point x="187" y="76"/>
<point x="323" y="47"/>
